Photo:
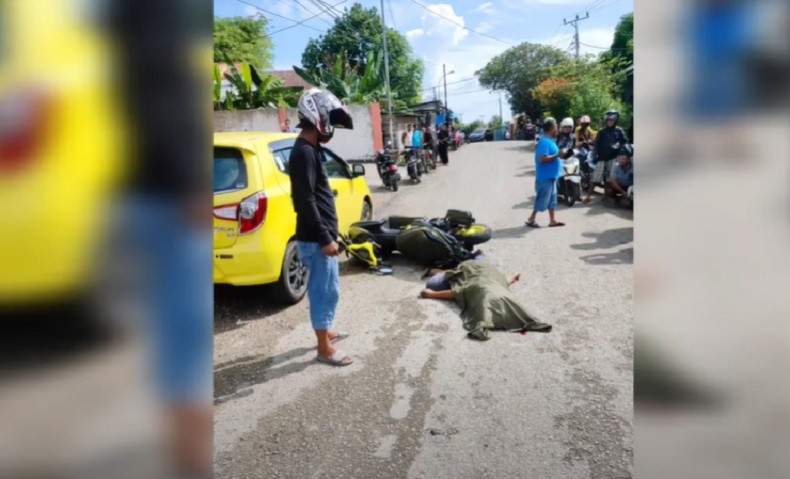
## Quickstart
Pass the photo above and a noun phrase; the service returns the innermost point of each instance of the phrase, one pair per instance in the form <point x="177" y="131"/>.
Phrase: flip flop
<point x="340" y="358"/>
<point x="532" y="225"/>
<point x="341" y="335"/>
<point x="556" y="225"/>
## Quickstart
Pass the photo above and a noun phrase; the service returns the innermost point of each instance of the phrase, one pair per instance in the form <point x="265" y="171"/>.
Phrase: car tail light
<point x="250" y="212"/>
<point x="23" y="122"/>
<point x="393" y="168"/>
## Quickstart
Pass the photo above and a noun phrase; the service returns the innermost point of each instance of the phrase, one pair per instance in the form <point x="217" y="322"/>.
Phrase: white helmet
<point x="324" y="111"/>
<point x="567" y="122"/>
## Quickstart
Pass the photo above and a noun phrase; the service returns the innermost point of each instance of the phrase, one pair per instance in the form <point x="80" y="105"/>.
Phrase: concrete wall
<point x="359" y="144"/>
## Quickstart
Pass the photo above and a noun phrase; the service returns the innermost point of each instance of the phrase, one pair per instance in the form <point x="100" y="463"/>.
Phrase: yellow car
<point x="59" y="149"/>
<point x="254" y="219"/>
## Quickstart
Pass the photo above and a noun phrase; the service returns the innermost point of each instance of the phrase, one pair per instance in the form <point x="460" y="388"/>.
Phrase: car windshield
<point x="230" y="172"/>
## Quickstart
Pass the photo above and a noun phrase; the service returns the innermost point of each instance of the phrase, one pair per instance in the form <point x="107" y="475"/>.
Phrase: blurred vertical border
<point x="712" y="341"/>
<point x="105" y="251"/>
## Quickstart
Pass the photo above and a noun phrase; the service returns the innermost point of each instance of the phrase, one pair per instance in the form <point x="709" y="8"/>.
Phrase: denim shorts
<point x="546" y="195"/>
<point x="178" y="297"/>
<point x="323" y="285"/>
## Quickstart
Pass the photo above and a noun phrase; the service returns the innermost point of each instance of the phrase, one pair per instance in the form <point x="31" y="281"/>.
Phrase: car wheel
<point x="367" y="208"/>
<point x="292" y="285"/>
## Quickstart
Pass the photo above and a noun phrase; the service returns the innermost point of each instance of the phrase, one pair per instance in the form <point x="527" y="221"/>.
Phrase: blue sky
<point x="438" y="41"/>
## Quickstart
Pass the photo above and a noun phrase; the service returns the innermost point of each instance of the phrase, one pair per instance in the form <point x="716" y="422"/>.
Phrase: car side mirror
<point x="357" y="170"/>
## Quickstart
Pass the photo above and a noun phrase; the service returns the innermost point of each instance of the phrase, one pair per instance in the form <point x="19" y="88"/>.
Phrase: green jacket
<point x="486" y="301"/>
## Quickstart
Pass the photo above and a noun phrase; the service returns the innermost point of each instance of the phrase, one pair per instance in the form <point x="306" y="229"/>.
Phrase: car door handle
<point x="334" y="193"/>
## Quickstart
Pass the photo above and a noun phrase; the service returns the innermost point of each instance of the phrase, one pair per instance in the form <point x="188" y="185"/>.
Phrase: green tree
<point x="622" y="48"/>
<point x="357" y="33"/>
<point x="496" y="121"/>
<point x="346" y="82"/>
<point x="518" y="71"/>
<point x="242" y="39"/>
<point x="588" y="88"/>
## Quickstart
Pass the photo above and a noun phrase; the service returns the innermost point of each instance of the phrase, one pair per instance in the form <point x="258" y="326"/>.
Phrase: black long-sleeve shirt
<point x="314" y="203"/>
<point x="608" y="143"/>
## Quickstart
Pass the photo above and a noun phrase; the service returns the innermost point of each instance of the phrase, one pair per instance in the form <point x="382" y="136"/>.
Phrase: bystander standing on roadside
<point x="317" y="230"/>
<point x="548" y="168"/>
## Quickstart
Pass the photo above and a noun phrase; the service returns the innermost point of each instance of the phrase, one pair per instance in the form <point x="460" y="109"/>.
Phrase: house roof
<point x="290" y="79"/>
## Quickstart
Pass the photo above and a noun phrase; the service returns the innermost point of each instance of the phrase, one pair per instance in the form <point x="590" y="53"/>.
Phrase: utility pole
<point x="446" y="110"/>
<point x="501" y="120"/>
<point x="387" y="72"/>
<point x="575" y="24"/>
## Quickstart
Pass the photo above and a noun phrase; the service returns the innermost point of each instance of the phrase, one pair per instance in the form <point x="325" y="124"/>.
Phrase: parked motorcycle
<point x="569" y="184"/>
<point x="388" y="170"/>
<point x="384" y="233"/>
<point x="430" y="158"/>
<point x="413" y="165"/>
<point x="585" y="167"/>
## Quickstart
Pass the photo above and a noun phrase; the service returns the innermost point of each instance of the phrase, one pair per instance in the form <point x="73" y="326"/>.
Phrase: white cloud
<point x="442" y="24"/>
<point x="486" y="8"/>
<point x="597" y="37"/>
<point x="250" y="11"/>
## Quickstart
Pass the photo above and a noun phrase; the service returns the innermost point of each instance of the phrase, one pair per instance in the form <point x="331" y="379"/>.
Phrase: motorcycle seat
<point x="370" y="224"/>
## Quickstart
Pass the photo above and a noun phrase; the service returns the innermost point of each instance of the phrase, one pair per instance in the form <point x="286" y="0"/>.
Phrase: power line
<point x="460" y="24"/>
<point x="296" y="22"/>
<point x="452" y="83"/>
<point x="392" y="15"/>
<point x="602" y="6"/>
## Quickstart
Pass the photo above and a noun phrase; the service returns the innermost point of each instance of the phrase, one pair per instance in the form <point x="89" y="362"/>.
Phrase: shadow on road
<point x="510" y="233"/>
<point x="607" y="239"/>
<point x="624" y="256"/>
<point x="521" y="146"/>
<point x="233" y="305"/>
<point x="234" y="378"/>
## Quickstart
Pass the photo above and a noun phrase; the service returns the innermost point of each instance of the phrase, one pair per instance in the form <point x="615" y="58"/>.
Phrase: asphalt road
<point x="422" y="400"/>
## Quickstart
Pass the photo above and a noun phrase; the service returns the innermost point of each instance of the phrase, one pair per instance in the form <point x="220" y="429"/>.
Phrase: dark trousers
<point x="443" y="154"/>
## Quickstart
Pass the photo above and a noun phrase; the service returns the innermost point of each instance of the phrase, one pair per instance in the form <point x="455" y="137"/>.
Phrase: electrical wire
<point x="452" y="83"/>
<point x="296" y="22"/>
<point x="461" y="25"/>
<point x="604" y="5"/>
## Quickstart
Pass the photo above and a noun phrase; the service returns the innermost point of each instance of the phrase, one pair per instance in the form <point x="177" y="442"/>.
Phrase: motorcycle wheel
<point x="394" y="185"/>
<point x="473" y="235"/>
<point x="572" y="195"/>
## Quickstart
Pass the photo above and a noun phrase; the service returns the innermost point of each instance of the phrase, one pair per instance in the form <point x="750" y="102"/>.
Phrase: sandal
<point x="556" y="225"/>
<point x="338" y="359"/>
<point x="341" y="335"/>
<point x="533" y="224"/>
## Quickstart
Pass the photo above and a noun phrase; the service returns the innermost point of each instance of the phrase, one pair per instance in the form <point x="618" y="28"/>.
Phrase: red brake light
<point x="252" y="212"/>
<point x="23" y="122"/>
<point x="393" y="168"/>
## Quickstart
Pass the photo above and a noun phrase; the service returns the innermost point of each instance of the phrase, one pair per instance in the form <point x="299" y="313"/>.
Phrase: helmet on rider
<point x="611" y="115"/>
<point x="585" y="121"/>
<point x="322" y="110"/>
<point x="566" y="123"/>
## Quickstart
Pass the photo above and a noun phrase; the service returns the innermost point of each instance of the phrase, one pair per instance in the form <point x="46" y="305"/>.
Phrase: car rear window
<point x="230" y="172"/>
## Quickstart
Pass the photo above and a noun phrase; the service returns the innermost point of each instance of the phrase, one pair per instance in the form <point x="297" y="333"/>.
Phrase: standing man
<point x="416" y="138"/>
<point x="548" y="168"/>
<point x="287" y="128"/>
<point x="405" y="138"/>
<point x="316" y="218"/>
<point x="444" y="139"/>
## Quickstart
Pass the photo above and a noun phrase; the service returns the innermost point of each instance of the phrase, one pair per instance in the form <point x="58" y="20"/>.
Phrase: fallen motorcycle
<point x="385" y="233"/>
